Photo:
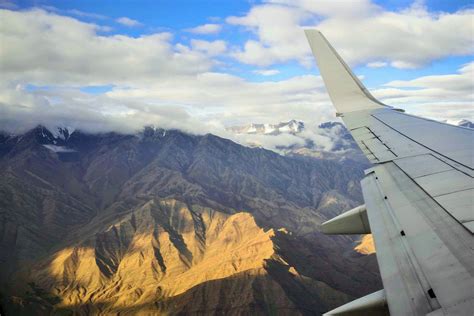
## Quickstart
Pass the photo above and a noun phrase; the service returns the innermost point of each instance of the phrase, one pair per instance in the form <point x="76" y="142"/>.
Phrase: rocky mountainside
<point x="170" y="223"/>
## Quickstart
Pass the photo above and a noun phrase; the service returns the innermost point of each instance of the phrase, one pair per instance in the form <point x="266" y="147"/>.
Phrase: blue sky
<point x="179" y="15"/>
<point x="204" y="65"/>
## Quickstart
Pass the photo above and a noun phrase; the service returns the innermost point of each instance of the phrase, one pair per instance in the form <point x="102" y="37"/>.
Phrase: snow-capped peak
<point x="62" y="133"/>
<point x="466" y="123"/>
<point x="268" y="128"/>
<point x="54" y="135"/>
<point x="291" y="127"/>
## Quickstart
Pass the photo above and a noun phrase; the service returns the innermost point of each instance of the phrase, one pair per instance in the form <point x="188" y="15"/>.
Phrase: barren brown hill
<point x="170" y="223"/>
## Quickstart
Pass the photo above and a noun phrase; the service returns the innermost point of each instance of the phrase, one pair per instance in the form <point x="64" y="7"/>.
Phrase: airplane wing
<point x="418" y="200"/>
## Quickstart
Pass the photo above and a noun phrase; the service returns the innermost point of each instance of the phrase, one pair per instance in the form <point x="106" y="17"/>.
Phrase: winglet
<point x="354" y="221"/>
<point x="346" y="91"/>
<point x="372" y="304"/>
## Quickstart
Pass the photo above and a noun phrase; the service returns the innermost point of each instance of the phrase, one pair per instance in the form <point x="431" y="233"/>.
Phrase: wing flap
<point x="424" y="259"/>
<point x="450" y="188"/>
<point x="406" y="294"/>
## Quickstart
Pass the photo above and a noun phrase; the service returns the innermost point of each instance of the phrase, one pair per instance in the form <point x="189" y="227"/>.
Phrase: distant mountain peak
<point x="466" y="123"/>
<point x="290" y="127"/>
<point x="63" y="132"/>
<point x="151" y="131"/>
<point x="52" y="135"/>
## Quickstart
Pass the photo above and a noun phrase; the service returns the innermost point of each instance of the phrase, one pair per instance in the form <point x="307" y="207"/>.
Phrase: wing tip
<point x="345" y="90"/>
<point x="312" y="32"/>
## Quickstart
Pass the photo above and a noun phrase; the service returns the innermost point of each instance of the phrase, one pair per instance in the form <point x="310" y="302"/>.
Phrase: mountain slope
<point x="166" y="222"/>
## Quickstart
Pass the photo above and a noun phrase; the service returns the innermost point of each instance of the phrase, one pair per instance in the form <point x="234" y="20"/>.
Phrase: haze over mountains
<point x="292" y="127"/>
<point x="329" y="140"/>
<point x="166" y="222"/>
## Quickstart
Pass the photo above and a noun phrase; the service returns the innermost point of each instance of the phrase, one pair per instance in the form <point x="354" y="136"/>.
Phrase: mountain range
<point x="328" y="140"/>
<point x="292" y="126"/>
<point x="165" y="222"/>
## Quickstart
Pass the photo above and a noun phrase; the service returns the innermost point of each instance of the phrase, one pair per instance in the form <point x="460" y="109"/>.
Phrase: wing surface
<point x="418" y="195"/>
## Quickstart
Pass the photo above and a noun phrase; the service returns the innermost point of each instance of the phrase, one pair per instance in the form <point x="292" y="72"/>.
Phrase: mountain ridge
<point x="49" y="224"/>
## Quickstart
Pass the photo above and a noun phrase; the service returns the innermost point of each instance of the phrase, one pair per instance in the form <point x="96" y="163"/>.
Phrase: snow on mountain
<point x="269" y="129"/>
<point x="62" y="132"/>
<point x="56" y="135"/>
<point x="290" y="127"/>
<point x="56" y="139"/>
<point x="329" y="140"/>
<point x="466" y="123"/>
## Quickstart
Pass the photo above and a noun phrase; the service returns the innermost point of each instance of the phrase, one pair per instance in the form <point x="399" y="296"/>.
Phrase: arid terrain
<point x="168" y="223"/>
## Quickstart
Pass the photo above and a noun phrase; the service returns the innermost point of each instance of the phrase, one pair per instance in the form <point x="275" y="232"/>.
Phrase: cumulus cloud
<point x="152" y="81"/>
<point x="128" y="22"/>
<point x="267" y="72"/>
<point x="206" y="29"/>
<point x="21" y="110"/>
<point x="212" y="48"/>
<point x="276" y="42"/>
<point x="362" y="32"/>
<point x="443" y="97"/>
<point x="235" y="100"/>
<point x="377" y="64"/>
<point x="199" y="104"/>
<point x="37" y="50"/>
<point x="157" y="80"/>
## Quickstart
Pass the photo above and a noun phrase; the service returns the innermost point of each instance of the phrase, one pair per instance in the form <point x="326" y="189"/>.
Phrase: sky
<point x="201" y="66"/>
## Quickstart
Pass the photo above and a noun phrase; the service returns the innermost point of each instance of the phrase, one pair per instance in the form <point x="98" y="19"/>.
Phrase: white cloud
<point x="377" y="64"/>
<point x="75" y="12"/>
<point x="128" y="22"/>
<point x="267" y="72"/>
<point x="155" y="81"/>
<point x="447" y="84"/>
<point x="331" y="8"/>
<point x="277" y="42"/>
<point x="36" y="49"/>
<point x="211" y="48"/>
<point x="441" y="97"/>
<point x="362" y="32"/>
<point x="206" y="29"/>
<point x="199" y="104"/>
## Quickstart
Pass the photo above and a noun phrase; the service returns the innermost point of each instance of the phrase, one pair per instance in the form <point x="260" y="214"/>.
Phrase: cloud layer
<point x="363" y="32"/>
<point x="49" y="63"/>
